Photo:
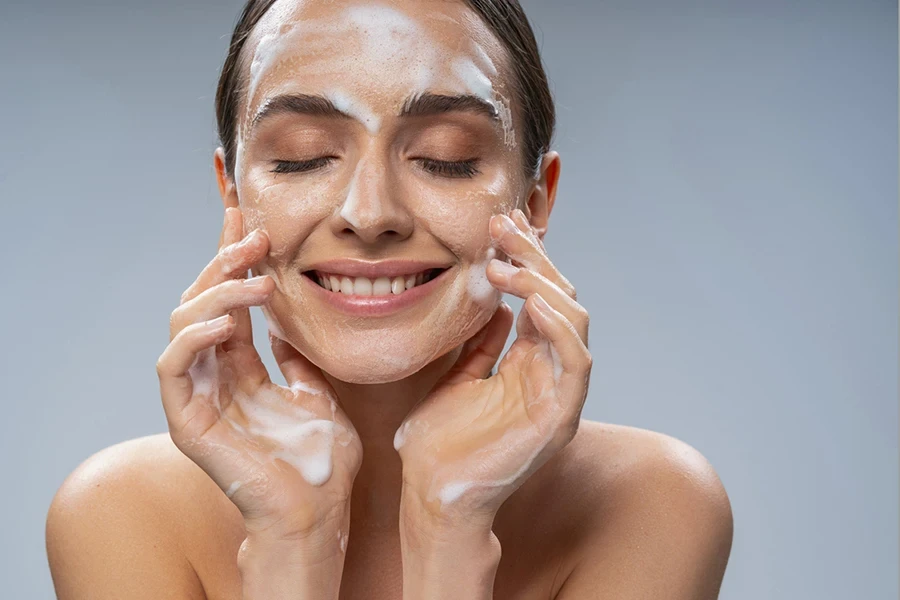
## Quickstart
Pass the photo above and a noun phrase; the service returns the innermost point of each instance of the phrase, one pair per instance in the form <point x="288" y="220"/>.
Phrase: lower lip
<point x="376" y="306"/>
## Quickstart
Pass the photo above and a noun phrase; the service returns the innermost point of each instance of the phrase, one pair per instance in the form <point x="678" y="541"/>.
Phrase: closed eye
<point x="300" y="166"/>
<point x="443" y="168"/>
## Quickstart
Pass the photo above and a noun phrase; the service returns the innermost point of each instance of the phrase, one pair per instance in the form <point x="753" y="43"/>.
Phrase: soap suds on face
<point x="368" y="60"/>
<point x="350" y="211"/>
<point x="355" y="108"/>
<point x="480" y="289"/>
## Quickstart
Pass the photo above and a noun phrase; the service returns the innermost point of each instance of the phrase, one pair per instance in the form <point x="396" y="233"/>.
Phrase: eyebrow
<point x="422" y="105"/>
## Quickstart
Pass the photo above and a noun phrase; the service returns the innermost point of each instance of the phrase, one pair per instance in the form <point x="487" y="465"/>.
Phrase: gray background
<point x="727" y="210"/>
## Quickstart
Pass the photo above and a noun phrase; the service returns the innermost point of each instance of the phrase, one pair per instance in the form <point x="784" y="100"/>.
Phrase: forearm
<point x="299" y="569"/>
<point x="443" y="560"/>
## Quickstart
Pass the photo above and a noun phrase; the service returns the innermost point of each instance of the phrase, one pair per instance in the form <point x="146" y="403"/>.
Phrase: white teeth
<point x="381" y="287"/>
<point x="363" y="286"/>
<point x="398" y="286"/>
<point x="346" y="285"/>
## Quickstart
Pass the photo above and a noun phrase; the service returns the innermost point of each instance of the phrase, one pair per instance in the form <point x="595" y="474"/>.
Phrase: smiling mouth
<point x="363" y="286"/>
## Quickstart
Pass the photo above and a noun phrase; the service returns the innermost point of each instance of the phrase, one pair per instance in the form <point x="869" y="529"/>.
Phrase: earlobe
<point x="227" y="189"/>
<point x="543" y="195"/>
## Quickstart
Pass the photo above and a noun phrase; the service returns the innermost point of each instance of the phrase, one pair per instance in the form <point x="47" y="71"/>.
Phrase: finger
<point x="227" y="227"/>
<point x="521" y="245"/>
<point x="299" y="372"/>
<point x="231" y="260"/>
<point x="176" y="386"/>
<point x="243" y="328"/>
<point x="479" y="357"/>
<point x="522" y="282"/>
<point x="521" y="220"/>
<point x="570" y="358"/>
<point x="223" y="298"/>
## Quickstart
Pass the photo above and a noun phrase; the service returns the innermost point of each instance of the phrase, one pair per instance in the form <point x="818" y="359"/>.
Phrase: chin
<point x="383" y="355"/>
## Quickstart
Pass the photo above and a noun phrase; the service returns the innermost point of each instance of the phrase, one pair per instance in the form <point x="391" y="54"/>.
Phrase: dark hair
<point x="504" y="17"/>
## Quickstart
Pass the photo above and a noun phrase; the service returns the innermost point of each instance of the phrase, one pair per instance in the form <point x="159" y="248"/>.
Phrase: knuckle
<point x="161" y="365"/>
<point x="176" y="318"/>
<point x="584" y="316"/>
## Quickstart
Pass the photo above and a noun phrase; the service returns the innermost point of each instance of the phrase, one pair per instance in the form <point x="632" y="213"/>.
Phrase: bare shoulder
<point x="124" y="520"/>
<point x="643" y="514"/>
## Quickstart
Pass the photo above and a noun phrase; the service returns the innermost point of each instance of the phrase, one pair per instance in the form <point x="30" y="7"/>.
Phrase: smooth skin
<point x="499" y="488"/>
<point x="616" y="512"/>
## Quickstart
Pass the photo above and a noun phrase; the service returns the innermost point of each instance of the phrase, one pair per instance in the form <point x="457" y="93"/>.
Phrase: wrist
<point x="436" y="520"/>
<point x="444" y="554"/>
<point x="305" y="565"/>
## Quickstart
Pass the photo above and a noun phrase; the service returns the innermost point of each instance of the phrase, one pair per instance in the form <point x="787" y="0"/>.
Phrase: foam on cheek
<point x="480" y="289"/>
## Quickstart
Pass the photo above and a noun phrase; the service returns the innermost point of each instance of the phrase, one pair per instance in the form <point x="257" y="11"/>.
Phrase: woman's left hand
<point x="469" y="444"/>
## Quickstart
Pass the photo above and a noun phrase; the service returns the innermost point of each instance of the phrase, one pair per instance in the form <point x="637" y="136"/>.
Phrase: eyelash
<point x="442" y="168"/>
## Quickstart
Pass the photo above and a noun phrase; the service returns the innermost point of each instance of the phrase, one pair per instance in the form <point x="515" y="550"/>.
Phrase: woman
<point x="386" y="176"/>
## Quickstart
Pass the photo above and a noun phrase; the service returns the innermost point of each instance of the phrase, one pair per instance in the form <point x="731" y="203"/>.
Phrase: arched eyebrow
<point x="421" y="105"/>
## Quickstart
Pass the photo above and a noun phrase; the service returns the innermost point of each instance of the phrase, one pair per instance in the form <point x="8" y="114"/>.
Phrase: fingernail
<point x="218" y="323"/>
<point x="504" y="270"/>
<point x="541" y="304"/>
<point x="256" y="281"/>
<point x="508" y="224"/>
<point x="251" y="237"/>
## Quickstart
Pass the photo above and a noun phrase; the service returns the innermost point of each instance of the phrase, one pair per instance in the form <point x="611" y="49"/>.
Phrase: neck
<point x="376" y="411"/>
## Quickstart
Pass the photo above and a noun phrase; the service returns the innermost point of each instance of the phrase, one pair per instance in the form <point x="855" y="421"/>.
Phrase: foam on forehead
<point x="376" y="41"/>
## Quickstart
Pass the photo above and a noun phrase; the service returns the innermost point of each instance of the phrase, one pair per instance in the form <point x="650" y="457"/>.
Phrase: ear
<point x="227" y="189"/>
<point x="543" y="194"/>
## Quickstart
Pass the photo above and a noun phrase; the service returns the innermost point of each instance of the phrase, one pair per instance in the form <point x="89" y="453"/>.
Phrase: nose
<point x="373" y="208"/>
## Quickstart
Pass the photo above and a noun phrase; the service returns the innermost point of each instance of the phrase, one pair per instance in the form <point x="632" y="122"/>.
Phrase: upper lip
<point x="373" y="270"/>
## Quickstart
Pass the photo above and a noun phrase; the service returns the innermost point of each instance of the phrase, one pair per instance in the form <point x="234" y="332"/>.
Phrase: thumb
<point x="481" y="352"/>
<point x="298" y="371"/>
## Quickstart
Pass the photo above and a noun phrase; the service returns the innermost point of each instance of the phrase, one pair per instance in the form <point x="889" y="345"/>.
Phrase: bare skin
<point x="620" y="512"/>
<point x="433" y="467"/>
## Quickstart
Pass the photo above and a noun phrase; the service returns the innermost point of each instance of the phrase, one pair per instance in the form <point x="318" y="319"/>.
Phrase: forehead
<point x="379" y="51"/>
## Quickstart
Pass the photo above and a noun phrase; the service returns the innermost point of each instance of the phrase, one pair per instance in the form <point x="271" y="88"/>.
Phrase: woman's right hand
<point x="286" y="456"/>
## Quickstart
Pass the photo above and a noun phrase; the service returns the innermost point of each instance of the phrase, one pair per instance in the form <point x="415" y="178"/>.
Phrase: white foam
<point x="204" y="373"/>
<point x="480" y="289"/>
<point x="400" y="435"/>
<point x="233" y="488"/>
<point x="300" y="386"/>
<point x="357" y="109"/>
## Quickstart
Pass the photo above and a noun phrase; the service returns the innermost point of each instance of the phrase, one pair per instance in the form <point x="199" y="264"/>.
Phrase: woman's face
<point x="337" y="160"/>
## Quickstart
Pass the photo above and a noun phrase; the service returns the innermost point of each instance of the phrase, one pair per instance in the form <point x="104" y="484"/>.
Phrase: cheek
<point x="460" y="219"/>
<point x="286" y="211"/>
